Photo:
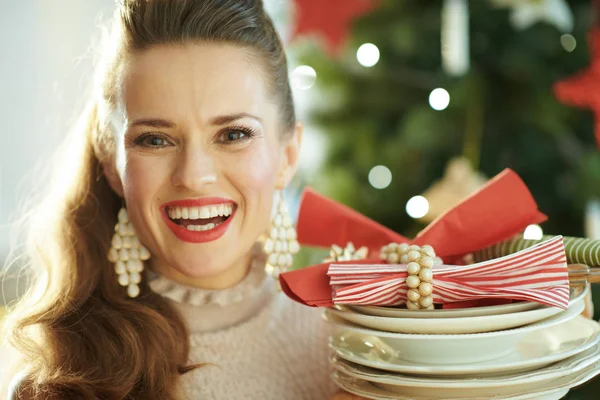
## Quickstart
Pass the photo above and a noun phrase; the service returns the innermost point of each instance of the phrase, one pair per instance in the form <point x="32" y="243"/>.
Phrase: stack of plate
<point x="515" y="351"/>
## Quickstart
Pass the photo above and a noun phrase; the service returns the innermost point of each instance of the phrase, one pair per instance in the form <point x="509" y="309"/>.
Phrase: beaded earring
<point x="128" y="254"/>
<point x="281" y="245"/>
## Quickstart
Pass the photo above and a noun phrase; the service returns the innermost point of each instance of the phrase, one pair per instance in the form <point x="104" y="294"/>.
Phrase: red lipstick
<point x="197" y="236"/>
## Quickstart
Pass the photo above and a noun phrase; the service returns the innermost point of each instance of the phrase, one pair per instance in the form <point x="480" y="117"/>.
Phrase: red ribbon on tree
<point x="583" y="89"/>
<point x="329" y="19"/>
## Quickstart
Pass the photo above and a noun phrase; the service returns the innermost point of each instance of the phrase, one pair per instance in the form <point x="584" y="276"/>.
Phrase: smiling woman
<point x="190" y="136"/>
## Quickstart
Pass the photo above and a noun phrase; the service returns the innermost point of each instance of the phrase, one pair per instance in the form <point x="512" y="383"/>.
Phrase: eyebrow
<point x="220" y="120"/>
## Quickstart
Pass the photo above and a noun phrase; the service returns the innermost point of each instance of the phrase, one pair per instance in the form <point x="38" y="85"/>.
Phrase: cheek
<point x="143" y="177"/>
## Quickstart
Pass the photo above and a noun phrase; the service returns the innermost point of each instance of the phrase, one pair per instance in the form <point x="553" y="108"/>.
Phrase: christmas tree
<point x="502" y="112"/>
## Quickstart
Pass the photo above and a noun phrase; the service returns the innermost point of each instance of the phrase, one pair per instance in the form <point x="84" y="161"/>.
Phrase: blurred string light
<point x="367" y="55"/>
<point x="568" y="42"/>
<point x="417" y="207"/>
<point x="304" y="77"/>
<point x="533" y="232"/>
<point x="439" y="99"/>
<point x="380" y="177"/>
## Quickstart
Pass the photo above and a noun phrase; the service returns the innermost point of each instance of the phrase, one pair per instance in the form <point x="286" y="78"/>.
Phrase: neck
<point x="226" y="279"/>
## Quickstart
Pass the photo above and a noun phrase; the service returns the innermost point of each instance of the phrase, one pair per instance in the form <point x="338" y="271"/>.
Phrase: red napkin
<point x="501" y="209"/>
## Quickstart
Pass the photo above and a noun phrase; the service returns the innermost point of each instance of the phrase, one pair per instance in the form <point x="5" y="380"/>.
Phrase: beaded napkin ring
<point x="419" y="260"/>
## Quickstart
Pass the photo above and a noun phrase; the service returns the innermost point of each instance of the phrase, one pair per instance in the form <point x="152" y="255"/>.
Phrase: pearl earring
<point x="127" y="253"/>
<point x="281" y="244"/>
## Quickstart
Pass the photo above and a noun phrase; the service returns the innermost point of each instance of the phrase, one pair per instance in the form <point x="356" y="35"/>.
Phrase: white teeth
<point x="205" y="212"/>
<point x="200" y="228"/>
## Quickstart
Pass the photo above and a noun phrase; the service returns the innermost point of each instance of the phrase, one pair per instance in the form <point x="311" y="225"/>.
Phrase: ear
<point x="109" y="169"/>
<point x="291" y="154"/>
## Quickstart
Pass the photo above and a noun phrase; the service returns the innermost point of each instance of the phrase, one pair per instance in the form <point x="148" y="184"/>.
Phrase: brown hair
<point x="77" y="332"/>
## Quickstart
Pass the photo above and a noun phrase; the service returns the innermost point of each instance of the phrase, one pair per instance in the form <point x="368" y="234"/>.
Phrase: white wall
<point x="42" y="81"/>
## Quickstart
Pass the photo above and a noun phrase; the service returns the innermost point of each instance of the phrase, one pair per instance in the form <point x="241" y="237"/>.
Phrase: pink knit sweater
<point x="259" y="344"/>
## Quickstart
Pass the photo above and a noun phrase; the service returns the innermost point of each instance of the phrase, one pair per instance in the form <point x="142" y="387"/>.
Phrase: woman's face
<point x="202" y="153"/>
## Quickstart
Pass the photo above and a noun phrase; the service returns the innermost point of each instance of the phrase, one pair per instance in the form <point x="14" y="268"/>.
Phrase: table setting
<point x="468" y="309"/>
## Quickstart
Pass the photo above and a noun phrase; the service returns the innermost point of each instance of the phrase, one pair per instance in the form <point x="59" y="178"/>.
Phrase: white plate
<point x="454" y="349"/>
<point x="395" y="312"/>
<point x="553" y="390"/>
<point x="477" y="387"/>
<point x="536" y="349"/>
<point x="484" y="323"/>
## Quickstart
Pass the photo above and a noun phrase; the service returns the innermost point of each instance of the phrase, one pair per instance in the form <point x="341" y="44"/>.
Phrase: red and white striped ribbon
<point x="538" y="273"/>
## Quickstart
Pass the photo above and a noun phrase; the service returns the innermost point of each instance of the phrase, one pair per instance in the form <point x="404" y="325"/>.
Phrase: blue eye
<point x="236" y="134"/>
<point x="152" y="140"/>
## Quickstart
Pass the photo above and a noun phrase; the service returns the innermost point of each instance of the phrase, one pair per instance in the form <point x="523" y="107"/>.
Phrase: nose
<point x="194" y="170"/>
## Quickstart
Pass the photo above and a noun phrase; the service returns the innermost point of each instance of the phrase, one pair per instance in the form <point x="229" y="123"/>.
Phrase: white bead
<point x="123" y="217"/>
<point x="294" y="247"/>
<point x="437" y="261"/>
<point x="287" y="221"/>
<point x="393" y="258"/>
<point x="127" y="242"/>
<point x="426" y="301"/>
<point x="134" y="253"/>
<point x="291" y="234"/>
<point x="428" y="251"/>
<point x="413" y="255"/>
<point x="130" y="229"/>
<point x="144" y="253"/>
<point x="278" y="220"/>
<point x="120" y="268"/>
<point x="402" y="248"/>
<point x="289" y="260"/>
<point x="135" y="242"/>
<point x="412" y="306"/>
<point x="413" y="268"/>
<point x="122" y="229"/>
<point x="132" y="265"/>
<point x="272" y="259"/>
<point x="426" y="261"/>
<point x="285" y="246"/>
<point x="413" y="295"/>
<point x="414" y="247"/>
<point x="413" y="281"/>
<point x="133" y="290"/>
<point x="274" y="233"/>
<point x="123" y="254"/>
<point x="278" y="246"/>
<point x="431" y="307"/>
<point x="281" y="260"/>
<point x="426" y="275"/>
<point x="361" y="253"/>
<point x="404" y="259"/>
<point x="113" y="255"/>
<point x="116" y="242"/>
<point x="282" y="233"/>
<point x="123" y="279"/>
<point x="269" y="246"/>
<point x="425" y="289"/>
<point x="135" y="277"/>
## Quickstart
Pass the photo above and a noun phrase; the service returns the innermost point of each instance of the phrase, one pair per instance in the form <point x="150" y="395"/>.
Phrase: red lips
<point x="194" y="236"/>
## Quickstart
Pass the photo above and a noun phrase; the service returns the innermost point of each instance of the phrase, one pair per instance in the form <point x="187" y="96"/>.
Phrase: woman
<point x="151" y="282"/>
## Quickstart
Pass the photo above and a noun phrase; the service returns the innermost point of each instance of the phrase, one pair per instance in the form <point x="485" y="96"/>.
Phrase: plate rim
<point x="556" y="319"/>
<point x="474" y="367"/>
<point x="484" y="382"/>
